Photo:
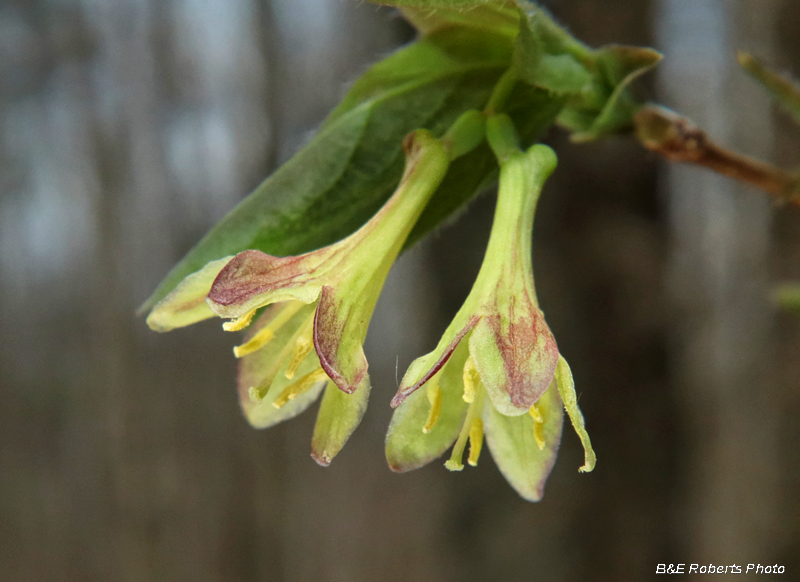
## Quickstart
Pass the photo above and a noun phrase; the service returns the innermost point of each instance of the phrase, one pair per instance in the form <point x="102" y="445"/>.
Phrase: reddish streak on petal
<point x="252" y="272"/>
<point x="328" y="329"/>
<point x="404" y="393"/>
<point x="519" y="345"/>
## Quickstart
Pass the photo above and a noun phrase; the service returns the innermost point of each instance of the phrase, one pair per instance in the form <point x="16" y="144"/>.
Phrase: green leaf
<point x="407" y="447"/>
<point x="547" y="56"/>
<point x="340" y="179"/>
<point x="783" y="88"/>
<point x="619" y="66"/>
<point x="268" y="366"/>
<point x="496" y="17"/>
<point x="435" y="4"/>
<point x="561" y="74"/>
<point x="552" y="37"/>
<point x="339" y="415"/>
<point x="542" y="55"/>
<point x="528" y="51"/>
<point x="514" y="449"/>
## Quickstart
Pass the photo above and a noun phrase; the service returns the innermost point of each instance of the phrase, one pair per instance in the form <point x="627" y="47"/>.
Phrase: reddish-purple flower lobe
<point x="329" y="334"/>
<point x="528" y="350"/>
<point x="405" y="392"/>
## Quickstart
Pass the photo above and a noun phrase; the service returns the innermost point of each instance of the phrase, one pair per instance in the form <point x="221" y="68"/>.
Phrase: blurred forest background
<point x="129" y="127"/>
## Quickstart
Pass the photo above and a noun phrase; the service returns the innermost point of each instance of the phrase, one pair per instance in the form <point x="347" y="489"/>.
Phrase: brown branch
<point x="676" y="138"/>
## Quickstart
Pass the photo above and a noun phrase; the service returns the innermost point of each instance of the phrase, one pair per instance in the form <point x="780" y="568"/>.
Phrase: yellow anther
<point x="470" y="378"/>
<point x="239" y="323"/>
<point x="435" y="398"/>
<point x="538" y="426"/>
<point x="454" y="463"/>
<point x="475" y="441"/>
<point x="255" y="343"/>
<point x="538" y="435"/>
<point x="295" y="389"/>
<point x="266" y="333"/>
<point x="471" y="430"/>
<point x="302" y="347"/>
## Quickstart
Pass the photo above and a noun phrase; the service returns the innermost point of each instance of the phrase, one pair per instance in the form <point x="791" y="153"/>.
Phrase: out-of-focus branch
<point x="782" y="88"/>
<point x="679" y="140"/>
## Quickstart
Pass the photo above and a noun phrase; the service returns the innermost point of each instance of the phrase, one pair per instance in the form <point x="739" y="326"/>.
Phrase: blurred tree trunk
<point x="719" y="279"/>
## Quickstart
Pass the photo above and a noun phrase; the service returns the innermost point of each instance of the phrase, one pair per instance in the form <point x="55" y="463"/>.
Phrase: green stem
<point x="501" y="91"/>
<point x="522" y="176"/>
<point x="466" y="133"/>
<point x="502" y="137"/>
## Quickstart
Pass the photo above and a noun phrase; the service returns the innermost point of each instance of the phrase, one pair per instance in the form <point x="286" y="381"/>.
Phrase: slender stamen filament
<point x="538" y="426"/>
<point x="266" y="333"/>
<point x="302" y="347"/>
<point x="473" y="413"/>
<point x="295" y="389"/>
<point x="475" y="441"/>
<point x="257" y="393"/>
<point x="435" y="399"/>
<point x="470" y="378"/>
<point x="239" y="323"/>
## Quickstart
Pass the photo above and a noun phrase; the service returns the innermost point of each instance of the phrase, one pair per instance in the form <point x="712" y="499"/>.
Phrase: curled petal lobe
<point x="408" y="446"/>
<point x="186" y="304"/>
<point x="423" y="368"/>
<point x="516" y="356"/>
<point x="253" y="279"/>
<point x="340" y="327"/>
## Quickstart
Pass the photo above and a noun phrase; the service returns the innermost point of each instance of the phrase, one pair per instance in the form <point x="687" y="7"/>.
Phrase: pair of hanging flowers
<point x="496" y="372"/>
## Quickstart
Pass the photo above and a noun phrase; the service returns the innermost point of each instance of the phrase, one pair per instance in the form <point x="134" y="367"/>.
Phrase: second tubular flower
<point x="497" y="367"/>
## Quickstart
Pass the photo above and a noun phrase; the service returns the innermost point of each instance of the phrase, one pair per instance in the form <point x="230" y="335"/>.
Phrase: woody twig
<point x="679" y="140"/>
